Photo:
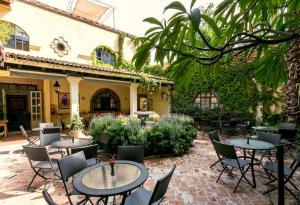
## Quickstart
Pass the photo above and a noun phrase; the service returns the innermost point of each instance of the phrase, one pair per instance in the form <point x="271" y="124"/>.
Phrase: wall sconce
<point x="151" y="91"/>
<point x="56" y="87"/>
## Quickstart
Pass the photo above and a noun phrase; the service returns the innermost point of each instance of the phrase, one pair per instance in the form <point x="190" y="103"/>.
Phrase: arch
<point x="105" y="100"/>
<point x="16" y="38"/>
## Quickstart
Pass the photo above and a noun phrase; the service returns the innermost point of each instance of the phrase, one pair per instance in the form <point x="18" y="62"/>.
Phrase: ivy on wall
<point x="120" y="59"/>
<point x="98" y="62"/>
<point x="236" y="89"/>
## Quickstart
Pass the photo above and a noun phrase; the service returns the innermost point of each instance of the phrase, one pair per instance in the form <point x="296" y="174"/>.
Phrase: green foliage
<point x="154" y="70"/>
<point x="120" y="59"/>
<point x="236" y="91"/>
<point x="97" y="62"/>
<point x="169" y="136"/>
<point x="6" y="30"/>
<point x="76" y="123"/>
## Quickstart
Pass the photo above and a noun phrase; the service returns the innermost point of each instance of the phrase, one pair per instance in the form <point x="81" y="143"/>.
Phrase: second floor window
<point x="19" y="40"/>
<point x="105" y="56"/>
<point x="206" y="101"/>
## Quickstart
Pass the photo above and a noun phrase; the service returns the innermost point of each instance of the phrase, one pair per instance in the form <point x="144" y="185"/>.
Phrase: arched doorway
<point x="105" y="100"/>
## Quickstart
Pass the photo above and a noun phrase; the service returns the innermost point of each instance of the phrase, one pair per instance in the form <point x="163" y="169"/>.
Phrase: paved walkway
<point x="193" y="182"/>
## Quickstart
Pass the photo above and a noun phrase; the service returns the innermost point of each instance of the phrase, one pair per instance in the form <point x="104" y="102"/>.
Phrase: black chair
<point x="90" y="153"/>
<point x="131" y="153"/>
<point x="270" y="168"/>
<point x="288" y="133"/>
<point x="51" y="130"/>
<point x="271" y="138"/>
<point x="32" y="140"/>
<point x="39" y="160"/>
<point x="68" y="167"/>
<point x="102" y="141"/>
<point x="227" y="156"/>
<point x="48" y="139"/>
<point x="214" y="136"/>
<point x="145" y="197"/>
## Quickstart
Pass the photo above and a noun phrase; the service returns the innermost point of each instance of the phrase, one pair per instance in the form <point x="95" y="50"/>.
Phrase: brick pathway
<point x="193" y="181"/>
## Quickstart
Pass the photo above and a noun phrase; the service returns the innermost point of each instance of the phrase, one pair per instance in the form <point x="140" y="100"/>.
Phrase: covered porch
<point x="35" y="89"/>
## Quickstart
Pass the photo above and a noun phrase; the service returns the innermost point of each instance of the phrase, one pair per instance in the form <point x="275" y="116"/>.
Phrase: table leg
<point x="68" y="152"/>
<point x="123" y="199"/>
<point x="252" y="169"/>
<point x="5" y="130"/>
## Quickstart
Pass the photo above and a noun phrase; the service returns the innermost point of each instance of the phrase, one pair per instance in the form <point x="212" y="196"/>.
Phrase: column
<point x="47" y="100"/>
<point x="133" y="98"/>
<point x="74" y="95"/>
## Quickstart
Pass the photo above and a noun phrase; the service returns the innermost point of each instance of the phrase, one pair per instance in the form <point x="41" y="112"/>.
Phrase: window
<point x="105" y="56"/>
<point x="105" y="100"/>
<point x="19" y="40"/>
<point x="206" y="101"/>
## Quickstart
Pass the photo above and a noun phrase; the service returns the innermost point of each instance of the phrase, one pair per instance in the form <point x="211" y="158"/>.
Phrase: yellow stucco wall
<point x="43" y="26"/>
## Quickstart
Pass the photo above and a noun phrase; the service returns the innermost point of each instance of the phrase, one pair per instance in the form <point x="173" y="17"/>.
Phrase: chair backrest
<point x="225" y="150"/>
<point x="161" y="187"/>
<point x="48" y="198"/>
<point x="72" y="164"/>
<point x="47" y="139"/>
<point x="288" y="126"/>
<point x="103" y="138"/>
<point x="288" y="134"/>
<point x="50" y="130"/>
<point x="36" y="153"/>
<point x="131" y="153"/>
<point x="214" y="136"/>
<point x="23" y="131"/>
<point x="269" y="137"/>
<point x="89" y="151"/>
<point x="46" y="124"/>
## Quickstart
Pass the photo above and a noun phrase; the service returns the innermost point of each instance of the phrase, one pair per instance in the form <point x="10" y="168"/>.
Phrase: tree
<point x="267" y="31"/>
<point x="6" y="30"/>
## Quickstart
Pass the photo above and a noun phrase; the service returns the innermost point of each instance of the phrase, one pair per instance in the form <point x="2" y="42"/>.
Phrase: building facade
<point x="59" y="64"/>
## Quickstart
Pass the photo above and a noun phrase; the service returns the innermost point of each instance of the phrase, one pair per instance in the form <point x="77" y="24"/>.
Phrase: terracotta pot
<point x="76" y="133"/>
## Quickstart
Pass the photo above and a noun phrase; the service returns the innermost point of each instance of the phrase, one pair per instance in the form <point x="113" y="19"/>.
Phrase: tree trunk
<point x="293" y="85"/>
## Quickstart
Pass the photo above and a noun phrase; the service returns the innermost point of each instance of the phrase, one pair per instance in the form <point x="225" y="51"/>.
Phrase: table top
<point x="37" y="129"/>
<point x="68" y="143"/>
<point x="253" y="144"/>
<point x="98" y="181"/>
<point x="267" y="128"/>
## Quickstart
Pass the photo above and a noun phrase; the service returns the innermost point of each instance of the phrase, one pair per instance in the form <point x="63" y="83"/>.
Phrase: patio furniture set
<point x="263" y="145"/>
<point x="91" y="178"/>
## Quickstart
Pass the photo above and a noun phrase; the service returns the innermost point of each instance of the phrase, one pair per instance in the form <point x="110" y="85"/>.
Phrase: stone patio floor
<point x="193" y="181"/>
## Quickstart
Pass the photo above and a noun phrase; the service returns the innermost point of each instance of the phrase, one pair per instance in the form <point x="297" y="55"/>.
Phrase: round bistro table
<point x="97" y="181"/>
<point x="69" y="143"/>
<point x="252" y="145"/>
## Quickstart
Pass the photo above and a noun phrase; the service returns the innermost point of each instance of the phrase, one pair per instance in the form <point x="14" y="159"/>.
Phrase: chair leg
<point x="36" y="174"/>
<point x="214" y="164"/>
<point x="224" y="167"/>
<point x="243" y="176"/>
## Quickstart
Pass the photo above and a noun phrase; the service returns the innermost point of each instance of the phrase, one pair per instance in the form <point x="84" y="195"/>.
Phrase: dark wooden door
<point x="17" y="111"/>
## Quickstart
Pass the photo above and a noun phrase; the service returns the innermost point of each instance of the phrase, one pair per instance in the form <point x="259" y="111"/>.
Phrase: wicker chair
<point x="131" y="153"/>
<point x="32" y="140"/>
<point x="90" y="153"/>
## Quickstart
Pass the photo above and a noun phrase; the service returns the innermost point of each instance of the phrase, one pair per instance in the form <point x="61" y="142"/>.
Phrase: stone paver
<point x="193" y="182"/>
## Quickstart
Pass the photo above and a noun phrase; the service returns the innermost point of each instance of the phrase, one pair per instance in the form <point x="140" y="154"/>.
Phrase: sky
<point x="129" y="14"/>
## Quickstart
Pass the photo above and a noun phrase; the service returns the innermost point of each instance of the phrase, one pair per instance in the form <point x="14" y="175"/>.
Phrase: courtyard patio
<point x="192" y="183"/>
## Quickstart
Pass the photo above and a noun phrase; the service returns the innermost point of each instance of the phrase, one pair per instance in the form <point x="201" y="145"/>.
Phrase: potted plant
<point x="76" y="126"/>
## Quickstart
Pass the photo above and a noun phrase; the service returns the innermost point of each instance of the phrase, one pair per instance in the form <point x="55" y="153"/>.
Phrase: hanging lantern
<point x="56" y="87"/>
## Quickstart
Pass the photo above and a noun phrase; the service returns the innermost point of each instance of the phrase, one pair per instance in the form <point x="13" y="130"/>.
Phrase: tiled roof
<point x="81" y="65"/>
<point x="72" y="16"/>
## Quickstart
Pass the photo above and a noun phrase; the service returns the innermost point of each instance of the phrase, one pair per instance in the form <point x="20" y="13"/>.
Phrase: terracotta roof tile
<point x="81" y="65"/>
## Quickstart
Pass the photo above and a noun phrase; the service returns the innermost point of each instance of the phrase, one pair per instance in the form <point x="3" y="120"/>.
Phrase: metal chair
<point x="288" y="132"/>
<point x="51" y="130"/>
<point x="48" y="139"/>
<point x="214" y="136"/>
<point x="227" y="156"/>
<point x="48" y="198"/>
<point x="131" y="153"/>
<point x="90" y="153"/>
<point x="32" y="140"/>
<point x="102" y="141"/>
<point x="145" y="197"/>
<point x="267" y="137"/>
<point x="39" y="160"/>
<point x="271" y="167"/>
<point x="68" y="167"/>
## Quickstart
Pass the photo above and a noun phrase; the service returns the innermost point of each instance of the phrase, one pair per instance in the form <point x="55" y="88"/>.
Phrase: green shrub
<point x="172" y="135"/>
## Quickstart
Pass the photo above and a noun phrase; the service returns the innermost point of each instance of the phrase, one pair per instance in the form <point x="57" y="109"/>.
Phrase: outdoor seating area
<point x="193" y="181"/>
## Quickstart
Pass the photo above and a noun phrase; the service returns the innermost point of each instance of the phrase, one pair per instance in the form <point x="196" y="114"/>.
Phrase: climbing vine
<point x="237" y="92"/>
<point x="120" y="59"/>
<point x="98" y="62"/>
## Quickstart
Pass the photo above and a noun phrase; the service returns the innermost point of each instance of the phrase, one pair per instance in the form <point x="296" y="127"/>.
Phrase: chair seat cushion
<point x="139" y="197"/>
<point x="46" y="164"/>
<point x="234" y="162"/>
<point x="273" y="168"/>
